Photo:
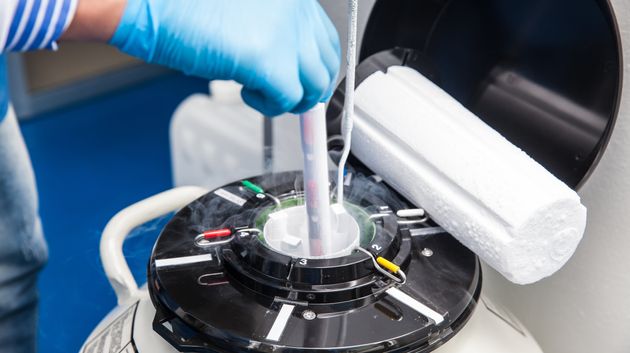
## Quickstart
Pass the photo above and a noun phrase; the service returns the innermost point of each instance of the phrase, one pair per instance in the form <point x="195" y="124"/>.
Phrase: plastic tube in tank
<point x="316" y="184"/>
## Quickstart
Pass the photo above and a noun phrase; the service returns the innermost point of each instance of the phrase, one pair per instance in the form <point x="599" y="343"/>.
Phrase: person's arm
<point x="95" y="20"/>
<point x="286" y="53"/>
<point x="30" y="25"/>
<point x="33" y="24"/>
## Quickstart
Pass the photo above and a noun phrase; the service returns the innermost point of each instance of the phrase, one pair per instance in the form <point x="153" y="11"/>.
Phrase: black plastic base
<point x="229" y="299"/>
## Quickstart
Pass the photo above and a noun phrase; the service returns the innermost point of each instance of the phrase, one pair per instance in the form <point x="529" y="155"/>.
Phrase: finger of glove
<point x="331" y="60"/>
<point x="330" y="30"/>
<point x="330" y="50"/>
<point x="315" y="82"/>
<point x="314" y="74"/>
<point x="276" y="95"/>
<point x="330" y="56"/>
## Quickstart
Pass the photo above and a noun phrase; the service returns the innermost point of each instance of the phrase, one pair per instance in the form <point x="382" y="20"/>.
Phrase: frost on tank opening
<point x="286" y="231"/>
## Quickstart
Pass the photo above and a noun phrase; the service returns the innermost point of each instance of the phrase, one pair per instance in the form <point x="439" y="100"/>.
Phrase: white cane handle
<point x="119" y="227"/>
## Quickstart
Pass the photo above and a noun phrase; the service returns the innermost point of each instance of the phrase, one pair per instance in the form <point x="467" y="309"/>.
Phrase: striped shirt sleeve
<point x="33" y="24"/>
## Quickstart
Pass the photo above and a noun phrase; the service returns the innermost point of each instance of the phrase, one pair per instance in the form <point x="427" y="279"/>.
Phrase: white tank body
<point x="218" y="139"/>
<point x="490" y="329"/>
<point x="128" y="328"/>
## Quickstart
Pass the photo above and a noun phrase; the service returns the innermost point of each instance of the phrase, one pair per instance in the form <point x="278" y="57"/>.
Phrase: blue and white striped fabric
<point x="29" y="25"/>
<point x="33" y="24"/>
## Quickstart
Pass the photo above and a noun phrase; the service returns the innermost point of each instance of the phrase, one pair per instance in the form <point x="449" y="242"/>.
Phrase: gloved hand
<point x="285" y="52"/>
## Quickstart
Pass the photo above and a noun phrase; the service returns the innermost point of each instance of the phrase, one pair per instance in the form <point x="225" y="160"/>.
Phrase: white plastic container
<point x="216" y="139"/>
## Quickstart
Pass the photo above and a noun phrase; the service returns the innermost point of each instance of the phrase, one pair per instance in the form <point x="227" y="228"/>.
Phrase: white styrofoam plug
<point x="479" y="187"/>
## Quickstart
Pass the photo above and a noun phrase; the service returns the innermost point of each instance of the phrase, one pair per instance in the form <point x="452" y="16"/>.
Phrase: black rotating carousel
<point x="219" y="287"/>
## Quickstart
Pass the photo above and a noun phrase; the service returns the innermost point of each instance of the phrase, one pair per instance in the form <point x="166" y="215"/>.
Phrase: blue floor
<point x="91" y="160"/>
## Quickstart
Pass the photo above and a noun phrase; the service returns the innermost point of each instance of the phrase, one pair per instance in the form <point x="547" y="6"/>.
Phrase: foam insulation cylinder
<point x="483" y="190"/>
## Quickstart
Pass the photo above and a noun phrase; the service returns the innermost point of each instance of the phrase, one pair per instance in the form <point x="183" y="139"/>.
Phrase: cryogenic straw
<point x="402" y="277"/>
<point x="348" y="109"/>
<point x="392" y="267"/>
<point x="411" y="212"/>
<point x="217" y="233"/>
<point x="257" y="189"/>
<point x="316" y="185"/>
<point x="253" y="187"/>
<point x="214" y="237"/>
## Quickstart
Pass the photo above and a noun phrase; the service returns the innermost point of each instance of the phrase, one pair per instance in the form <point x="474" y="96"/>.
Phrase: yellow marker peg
<point x="392" y="267"/>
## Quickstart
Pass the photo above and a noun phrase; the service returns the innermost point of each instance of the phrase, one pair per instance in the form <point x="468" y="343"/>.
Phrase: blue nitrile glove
<point x="285" y="52"/>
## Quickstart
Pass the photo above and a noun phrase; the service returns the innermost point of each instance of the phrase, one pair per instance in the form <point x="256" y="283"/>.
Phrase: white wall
<point x="585" y="307"/>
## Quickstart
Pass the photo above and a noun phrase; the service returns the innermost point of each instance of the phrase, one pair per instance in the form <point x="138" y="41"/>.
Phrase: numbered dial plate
<point x="232" y="292"/>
